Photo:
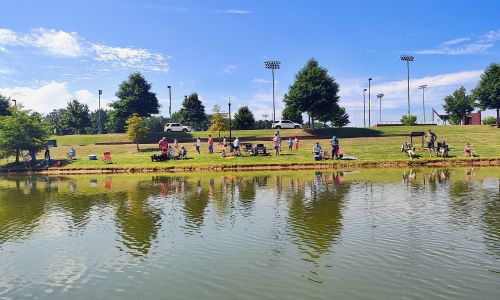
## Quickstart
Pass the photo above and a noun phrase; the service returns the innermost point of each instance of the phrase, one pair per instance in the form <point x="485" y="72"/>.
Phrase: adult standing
<point x="276" y="144"/>
<point x="197" y="145"/>
<point x="335" y="147"/>
<point x="163" y="143"/>
<point x="47" y="156"/>
<point x="236" y="145"/>
<point x="210" y="144"/>
<point x="431" y="138"/>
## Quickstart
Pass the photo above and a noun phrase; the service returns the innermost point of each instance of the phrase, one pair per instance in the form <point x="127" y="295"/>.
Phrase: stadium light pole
<point x="364" y="107"/>
<point x="408" y="58"/>
<point x="273" y="65"/>
<point x="170" y="102"/>
<point x="379" y="96"/>
<point x="423" y="87"/>
<point x="99" y="126"/>
<point x="229" y="104"/>
<point x="369" y="102"/>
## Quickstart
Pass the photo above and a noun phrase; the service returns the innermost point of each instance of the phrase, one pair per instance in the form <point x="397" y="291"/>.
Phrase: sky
<point x="54" y="51"/>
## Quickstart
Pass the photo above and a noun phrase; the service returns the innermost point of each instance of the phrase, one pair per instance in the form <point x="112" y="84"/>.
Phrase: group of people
<point x="318" y="153"/>
<point x="169" y="152"/>
<point x="292" y="144"/>
<point x="441" y="149"/>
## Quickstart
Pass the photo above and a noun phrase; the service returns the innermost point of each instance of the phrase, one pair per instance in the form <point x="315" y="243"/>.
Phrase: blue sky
<point x="53" y="51"/>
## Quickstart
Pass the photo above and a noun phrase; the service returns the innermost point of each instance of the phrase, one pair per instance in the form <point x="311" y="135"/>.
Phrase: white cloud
<point x="7" y="38"/>
<point x="229" y="69"/>
<point x="51" y="95"/>
<point x="131" y="58"/>
<point x="261" y="81"/>
<point x="56" y="42"/>
<point x="462" y="46"/>
<point x="237" y="11"/>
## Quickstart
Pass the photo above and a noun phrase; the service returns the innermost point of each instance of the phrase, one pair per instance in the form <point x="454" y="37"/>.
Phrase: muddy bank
<point x="476" y="162"/>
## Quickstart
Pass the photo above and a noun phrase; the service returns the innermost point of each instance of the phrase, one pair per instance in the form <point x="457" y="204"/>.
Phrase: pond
<point x="352" y="234"/>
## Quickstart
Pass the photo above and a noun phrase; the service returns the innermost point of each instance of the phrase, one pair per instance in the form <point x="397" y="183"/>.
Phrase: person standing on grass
<point x="210" y="144"/>
<point x="279" y="139"/>
<point x="47" y="156"/>
<point x="290" y="144"/>
<point x="296" y="142"/>
<point x="163" y="143"/>
<point x="276" y="144"/>
<point x="176" y="145"/>
<point x="197" y="145"/>
<point x="431" y="138"/>
<point x="236" y="145"/>
<point x="335" y="147"/>
<point x="224" y="143"/>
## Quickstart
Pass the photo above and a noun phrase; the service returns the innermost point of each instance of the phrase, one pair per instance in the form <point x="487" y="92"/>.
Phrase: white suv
<point x="285" y="124"/>
<point x="176" y="127"/>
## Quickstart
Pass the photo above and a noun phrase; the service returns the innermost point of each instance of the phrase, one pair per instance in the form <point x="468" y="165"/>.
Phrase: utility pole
<point x="99" y="126"/>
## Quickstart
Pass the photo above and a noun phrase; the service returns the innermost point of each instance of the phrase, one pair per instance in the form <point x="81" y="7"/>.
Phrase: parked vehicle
<point x="176" y="127"/>
<point x="285" y="124"/>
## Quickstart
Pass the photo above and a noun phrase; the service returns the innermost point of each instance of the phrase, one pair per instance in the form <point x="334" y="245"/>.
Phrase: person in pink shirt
<point x="276" y="144"/>
<point x="163" y="144"/>
<point x="210" y="144"/>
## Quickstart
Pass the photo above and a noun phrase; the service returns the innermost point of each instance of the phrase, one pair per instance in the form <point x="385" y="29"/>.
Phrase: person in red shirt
<point x="163" y="144"/>
<point x="210" y="144"/>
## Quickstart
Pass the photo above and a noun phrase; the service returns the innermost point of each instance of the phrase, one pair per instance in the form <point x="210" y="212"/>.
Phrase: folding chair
<point x="107" y="158"/>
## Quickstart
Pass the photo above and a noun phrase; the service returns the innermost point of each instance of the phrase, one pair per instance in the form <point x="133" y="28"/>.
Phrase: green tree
<point x="292" y="113"/>
<point x="54" y="121"/>
<point x="193" y="112"/>
<point x="5" y="105"/>
<point x="313" y="91"/>
<point x="489" y="120"/>
<point x="458" y="105"/>
<point x="114" y="123"/>
<point x="136" y="128"/>
<point x="76" y="116"/>
<point x="177" y="117"/>
<point x="243" y="118"/>
<point x="487" y="91"/>
<point x="409" y="120"/>
<point x="218" y="121"/>
<point x="135" y="97"/>
<point x="94" y="121"/>
<point x="22" y="131"/>
<point x="340" y="118"/>
<point x="156" y="123"/>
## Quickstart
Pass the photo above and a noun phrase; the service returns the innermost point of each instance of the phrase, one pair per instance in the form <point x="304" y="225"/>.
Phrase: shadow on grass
<point x="346" y="132"/>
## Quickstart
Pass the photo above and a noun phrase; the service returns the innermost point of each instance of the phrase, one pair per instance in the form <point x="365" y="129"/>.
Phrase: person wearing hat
<point x="431" y="138"/>
<point x="335" y="147"/>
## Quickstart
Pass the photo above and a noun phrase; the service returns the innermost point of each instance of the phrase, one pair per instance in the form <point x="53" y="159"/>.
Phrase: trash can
<point x="92" y="157"/>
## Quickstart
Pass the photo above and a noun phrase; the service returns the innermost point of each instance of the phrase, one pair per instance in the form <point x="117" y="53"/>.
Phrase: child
<point x="176" y="145"/>
<point x="290" y="144"/>
<point x="296" y="142"/>
<point x="468" y="150"/>
<point x="197" y="145"/>
<point x="210" y="144"/>
<point x="223" y="153"/>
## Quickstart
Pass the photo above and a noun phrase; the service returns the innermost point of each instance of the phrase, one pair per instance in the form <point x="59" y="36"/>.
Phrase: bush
<point x="489" y="121"/>
<point x="409" y="120"/>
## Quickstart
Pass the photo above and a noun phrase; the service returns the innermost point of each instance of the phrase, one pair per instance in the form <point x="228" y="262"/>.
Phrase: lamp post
<point x="273" y="65"/>
<point x="379" y="96"/>
<point x="229" y="104"/>
<point x="423" y="87"/>
<point x="15" y="102"/>
<point x="369" y="102"/>
<point x="407" y="58"/>
<point x="364" y="107"/>
<point x="170" y="102"/>
<point x="99" y="125"/>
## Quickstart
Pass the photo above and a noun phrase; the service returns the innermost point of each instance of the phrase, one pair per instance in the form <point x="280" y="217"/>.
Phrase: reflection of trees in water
<point x="314" y="214"/>
<point x="195" y="201"/>
<point x="137" y="220"/>
<point x="247" y="191"/>
<point x="491" y="222"/>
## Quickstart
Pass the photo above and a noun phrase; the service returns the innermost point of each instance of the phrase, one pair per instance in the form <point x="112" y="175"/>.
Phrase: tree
<point x="313" y="91"/>
<point x="94" y="121"/>
<point x="114" y="123"/>
<point x="135" y="97"/>
<point x="76" y="116"/>
<point x="54" y="121"/>
<point x="263" y="124"/>
<point x="177" y="117"/>
<point x="487" y="91"/>
<point x="22" y="131"/>
<point x="156" y="123"/>
<point x="292" y="113"/>
<point x="458" y="105"/>
<point x="193" y="112"/>
<point x="340" y="118"/>
<point x="5" y="105"/>
<point x="218" y="121"/>
<point x="136" y="128"/>
<point x="409" y="120"/>
<point x="243" y="118"/>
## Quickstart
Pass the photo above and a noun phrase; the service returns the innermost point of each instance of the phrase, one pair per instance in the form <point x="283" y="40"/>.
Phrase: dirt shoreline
<point x="471" y="162"/>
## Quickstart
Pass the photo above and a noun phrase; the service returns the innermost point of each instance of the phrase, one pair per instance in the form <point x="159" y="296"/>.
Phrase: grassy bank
<point x="370" y="146"/>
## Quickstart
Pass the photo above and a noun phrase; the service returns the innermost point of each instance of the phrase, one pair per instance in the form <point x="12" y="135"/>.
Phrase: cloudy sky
<point x="53" y="51"/>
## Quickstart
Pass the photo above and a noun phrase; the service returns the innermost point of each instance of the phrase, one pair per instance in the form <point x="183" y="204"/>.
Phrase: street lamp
<point x="273" y="65"/>
<point x="423" y="87"/>
<point x="15" y="102"/>
<point x="170" y="103"/>
<point x="364" y="107"/>
<point x="407" y="58"/>
<point x="369" y="102"/>
<point x="229" y="104"/>
<point x="99" y="126"/>
<point x="379" y="96"/>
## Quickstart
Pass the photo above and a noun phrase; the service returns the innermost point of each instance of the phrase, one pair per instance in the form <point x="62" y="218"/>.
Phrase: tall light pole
<point x="229" y="104"/>
<point x="379" y="96"/>
<point x="423" y="87"/>
<point x="170" y="103"/>
<point x="364" y="107"/>
<point x="15" y="102"/>
<point x="407" y="58"/>
<point x="273" y="65"/>
<point x="369" y="102"/>
<point x="99" y="126"/>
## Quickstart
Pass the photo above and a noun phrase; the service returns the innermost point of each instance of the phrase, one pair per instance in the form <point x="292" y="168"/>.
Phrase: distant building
<point x="473" y="118"/>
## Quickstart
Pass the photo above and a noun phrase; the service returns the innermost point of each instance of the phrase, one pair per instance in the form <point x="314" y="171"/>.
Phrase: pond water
<point x="364" y="234"/>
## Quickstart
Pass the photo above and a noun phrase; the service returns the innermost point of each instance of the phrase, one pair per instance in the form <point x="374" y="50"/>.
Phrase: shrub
<point x="489" y="121"/>
<point x="409" y="120"/>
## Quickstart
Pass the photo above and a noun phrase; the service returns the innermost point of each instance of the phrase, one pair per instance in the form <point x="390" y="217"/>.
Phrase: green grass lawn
<point x="368" y="145"/>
